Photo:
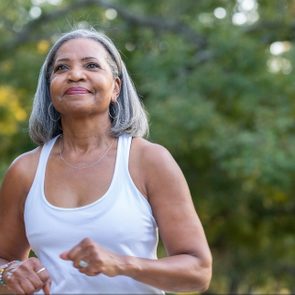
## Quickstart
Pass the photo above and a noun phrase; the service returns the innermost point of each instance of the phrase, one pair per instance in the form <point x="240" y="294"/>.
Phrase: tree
<point x="215" y="77"/>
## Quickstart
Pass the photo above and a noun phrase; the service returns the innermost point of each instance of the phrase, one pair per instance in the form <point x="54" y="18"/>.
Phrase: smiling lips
<point x="77" y="90"/>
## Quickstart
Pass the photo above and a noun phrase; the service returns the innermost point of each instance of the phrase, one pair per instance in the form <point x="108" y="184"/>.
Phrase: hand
<point x="27" y="277"/>
<point x="91" y="259"/>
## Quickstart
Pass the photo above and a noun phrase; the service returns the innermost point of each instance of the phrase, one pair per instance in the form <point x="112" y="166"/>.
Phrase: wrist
<point x="4" y="268"/>
<point x="128" y="266"/>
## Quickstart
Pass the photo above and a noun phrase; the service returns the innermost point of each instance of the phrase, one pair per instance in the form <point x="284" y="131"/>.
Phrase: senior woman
<point x="92" y="197"/>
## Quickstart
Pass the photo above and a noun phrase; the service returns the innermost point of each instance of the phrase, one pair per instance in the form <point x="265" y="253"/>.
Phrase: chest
<point x="68" y="187"/>
<point x="122" y="215"/>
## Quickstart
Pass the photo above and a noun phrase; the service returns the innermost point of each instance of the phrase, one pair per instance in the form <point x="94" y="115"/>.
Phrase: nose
<point x="76" y="74"/>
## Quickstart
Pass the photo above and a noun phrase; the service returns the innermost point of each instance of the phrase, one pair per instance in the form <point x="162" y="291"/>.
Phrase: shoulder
<point x="155" y="164"/>
<point x="151" y="152"/>
<point x="26" y="162"/>
<point x="22" y="169"/>
<point x="152" y="155"/>
<point x="15" y="187"/>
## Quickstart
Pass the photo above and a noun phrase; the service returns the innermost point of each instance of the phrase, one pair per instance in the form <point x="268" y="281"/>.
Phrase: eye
<point x="60" y="67"/>
<point x="92" y="65"/>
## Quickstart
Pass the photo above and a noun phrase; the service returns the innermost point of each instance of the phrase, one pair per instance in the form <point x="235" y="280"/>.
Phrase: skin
<point x="86" y="125"/>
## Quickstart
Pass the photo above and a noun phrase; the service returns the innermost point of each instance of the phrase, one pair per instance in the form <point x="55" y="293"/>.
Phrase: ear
<point x="117" y="89"/>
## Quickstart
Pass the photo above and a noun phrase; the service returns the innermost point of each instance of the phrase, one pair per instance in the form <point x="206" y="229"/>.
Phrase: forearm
<point x="175" y="273"/>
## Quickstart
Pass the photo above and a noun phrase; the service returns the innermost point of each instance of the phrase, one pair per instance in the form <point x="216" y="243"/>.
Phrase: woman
<point x="89" y="201"/>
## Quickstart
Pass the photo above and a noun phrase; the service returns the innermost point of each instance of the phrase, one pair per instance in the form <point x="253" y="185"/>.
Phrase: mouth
<point x="76" y="90"/>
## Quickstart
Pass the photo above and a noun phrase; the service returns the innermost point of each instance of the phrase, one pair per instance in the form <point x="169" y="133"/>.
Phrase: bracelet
<point x="3" y="268"/>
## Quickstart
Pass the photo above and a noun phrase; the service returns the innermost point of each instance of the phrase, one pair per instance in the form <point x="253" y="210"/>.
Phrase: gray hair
<point x="127" y="115"/>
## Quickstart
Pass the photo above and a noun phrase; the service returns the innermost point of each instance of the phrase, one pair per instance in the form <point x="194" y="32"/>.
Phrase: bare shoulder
<point x="22" y="170"/>
<point x="156" y="166"/>
<point x="152" y="154"/>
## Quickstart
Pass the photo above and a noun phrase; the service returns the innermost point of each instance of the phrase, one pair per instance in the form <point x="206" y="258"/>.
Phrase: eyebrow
<point x="68" y="59"/>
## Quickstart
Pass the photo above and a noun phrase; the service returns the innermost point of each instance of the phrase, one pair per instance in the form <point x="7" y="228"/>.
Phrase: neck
<point x="86" y="135"/>
<point x="82" y="164"/>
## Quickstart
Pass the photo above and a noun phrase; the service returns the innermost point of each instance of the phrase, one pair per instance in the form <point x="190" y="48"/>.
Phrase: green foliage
<point x="218" y="99"/>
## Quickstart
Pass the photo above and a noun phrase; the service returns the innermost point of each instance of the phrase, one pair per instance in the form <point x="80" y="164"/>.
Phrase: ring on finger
<point x="82" y="263"/>
<point x="40" y="270"/>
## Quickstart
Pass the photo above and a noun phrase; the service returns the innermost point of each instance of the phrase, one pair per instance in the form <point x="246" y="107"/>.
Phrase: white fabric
<point x="121" y="220"/>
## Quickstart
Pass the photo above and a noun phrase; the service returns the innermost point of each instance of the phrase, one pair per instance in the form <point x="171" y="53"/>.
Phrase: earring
<point x="114" y="110"/>
<point x="51" y="113"/>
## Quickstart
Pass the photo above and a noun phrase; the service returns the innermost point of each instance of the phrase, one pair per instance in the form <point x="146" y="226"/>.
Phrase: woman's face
<point x="82" y="82"/>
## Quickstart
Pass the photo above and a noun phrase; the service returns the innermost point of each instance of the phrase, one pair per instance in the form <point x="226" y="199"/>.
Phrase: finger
<point x="13" y="285"/>
<point x="22" y="278"/>
<point x="17" y="289"/>
<point x="29" y="281"/>
<point x="40" y="270"/>
<point x="84" y="258"/>
<point x="64" y="255"/>
<point x="81" y="262"/>
<point x="36" y="281"/>
<point x="27" y="274"/>
<point x="46" y="288"/>
<point x="87" y="270"/>
<point x="43" y="275"/>
<point x="72" y="254"/>
<point x="27" y="287"/>
<point x="20" y="281"/>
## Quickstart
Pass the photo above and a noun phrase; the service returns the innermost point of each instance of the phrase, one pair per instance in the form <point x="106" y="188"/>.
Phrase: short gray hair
<point x="127" y="115"/>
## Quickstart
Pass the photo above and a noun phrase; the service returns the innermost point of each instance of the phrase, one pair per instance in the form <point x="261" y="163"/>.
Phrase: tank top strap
<point x="45" y="152"/>
<point x="124" y="144"/>
<point x="121" y="170"/>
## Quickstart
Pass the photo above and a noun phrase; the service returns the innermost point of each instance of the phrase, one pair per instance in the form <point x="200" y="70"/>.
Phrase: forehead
<point x="79" y="48"/>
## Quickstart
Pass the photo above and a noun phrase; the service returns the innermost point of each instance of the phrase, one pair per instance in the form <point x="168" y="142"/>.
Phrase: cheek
<point x="51" y="90"/>
<point x="54" y="88"/>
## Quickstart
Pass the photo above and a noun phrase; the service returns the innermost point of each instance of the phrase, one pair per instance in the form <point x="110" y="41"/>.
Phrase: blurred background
<point x="217" y="78"/>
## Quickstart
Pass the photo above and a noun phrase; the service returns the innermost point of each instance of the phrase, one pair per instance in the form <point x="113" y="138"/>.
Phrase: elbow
<point x="203" y="275"/>
<point x="205" y="283"/>
<point x="198" y="279"/>
<point x="195" y="277"/>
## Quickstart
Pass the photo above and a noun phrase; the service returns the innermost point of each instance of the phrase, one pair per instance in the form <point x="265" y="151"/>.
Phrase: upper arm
<point x="168" y="193"/>
<point x="13" y="192"/>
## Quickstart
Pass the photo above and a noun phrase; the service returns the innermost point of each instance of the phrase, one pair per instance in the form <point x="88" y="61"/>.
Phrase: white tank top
<point x="121" y="221"/>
